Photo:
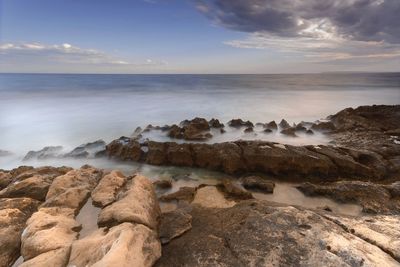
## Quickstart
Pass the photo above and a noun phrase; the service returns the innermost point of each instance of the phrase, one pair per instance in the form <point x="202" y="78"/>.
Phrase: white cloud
<point x="65" y="57"/>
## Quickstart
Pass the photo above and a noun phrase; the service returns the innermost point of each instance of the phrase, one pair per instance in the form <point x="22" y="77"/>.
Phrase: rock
<point x="210" y="197"/>
<point x="45" y="153"/>
<point x="268" y="131"/>
<point x="258" y="183"/>
<point x="163" y="184"/>
<point x="197" y="129"/>
<point x="122" y="245"/>
<point x="300" y="128"/>
<point x="271" y="126"/>
<point x="157" y="153"/>
<point x="173" y="224"/>
<point x="394" y="189"/>
<point x="327" y="126"/>
<point x="57" y="257"/>
<point x="234" y="191"/>
<point x="106" y="191"/>
<point x="183" y="194"/>
<point x="87" y="150"/>
<point x="124" y="148"/>
<point x="373" y="198"/>
<point x="249" y="130"/>
<point x="137" y="205"/>
<point x="284" y="124"/>
<point x="289" y="132"/>
<point x="281" y="236"/>
<point x="33" y="183"/>
<point x="13" y="214"/>
<point x="215" y="123"/>
<point x="179" y="155"/>
<point x="137" y="134"/>
<point x="237" y="123"/>
<point x="72" y="189"/>
<point x="309" y="132"/>
<point x="5" y="179"/>
<point x="49" y="229"/>
<point x="222" y="131"/>
<point x="175" y="132"/>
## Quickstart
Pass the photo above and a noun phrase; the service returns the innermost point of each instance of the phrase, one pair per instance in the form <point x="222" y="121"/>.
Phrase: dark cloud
<point x="362" y="20"/>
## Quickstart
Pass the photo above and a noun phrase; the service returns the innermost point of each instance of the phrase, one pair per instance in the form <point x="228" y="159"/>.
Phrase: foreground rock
<point x="13" y="214"/>
<point x="174" y="224"/>
<point x="106" y="191"/>
<point x="280" y="236"/>
<point x="374" y="198"/>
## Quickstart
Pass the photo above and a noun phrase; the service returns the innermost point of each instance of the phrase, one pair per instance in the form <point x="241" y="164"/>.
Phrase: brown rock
<point x="284" y="124"/>
<point x="237" y="123"/>
<point x="271" y="125"/>
<point x="258" y="183"/>
<point x="174" y="224"/>
<point x="163" y="184"/>
<point x="183" y="194"/>
<point x="234" y="191"/>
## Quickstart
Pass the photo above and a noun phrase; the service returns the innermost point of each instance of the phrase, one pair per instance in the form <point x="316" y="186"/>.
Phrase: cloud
<point x="361" y="20"/>
<point x="15" y="56"/>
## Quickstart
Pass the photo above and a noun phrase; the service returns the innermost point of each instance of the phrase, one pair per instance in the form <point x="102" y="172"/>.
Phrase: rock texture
<point x="174" y="224"/>
<point x="106" y="191"/>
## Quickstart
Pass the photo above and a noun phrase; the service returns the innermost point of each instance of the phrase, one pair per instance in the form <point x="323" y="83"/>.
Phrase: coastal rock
<point x="137" y="205"/>
<point x="234" y="190"/>
<point x="291" y="131"/>
<point x="45" y="153"/>
<point x="237" y="123"/>
<point x="122" y="245"/>
<point x="179" y="155"/>
<point x="5" y="179"/>
<point x="87" y="150"/>
<point x="13" y="214"/>
<point x="196" y="129"/>
<point x="215" y="123"/>
<point x="284" y="124"/>
<point x="184" y="193"/>
<point x="268" y="131"/>
<point x="282" y="236"/>
<point x="300" y="128"/>
<point x="175" y="132"/>
<point x="210" y="197"/>
<point x="271" y="125"/>
<point x="124" y="148"/>
<point x="72" y="189"/>
<point x="258" y="183"/>
<point x="106" y="191"/>
<point x="57" y="257"/>
<point x="174" y="224"/>
<point x="374" y="198"/>
<point x="47" y="230"/>
<point x="326" y="126"/>
<point x="156" y="154"/>
<point x="249" y="130"/>
<point x="163" y="184"/>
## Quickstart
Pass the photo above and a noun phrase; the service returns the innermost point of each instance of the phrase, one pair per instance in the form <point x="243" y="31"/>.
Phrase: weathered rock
<point x="163" y="184"/>
<point x="87" y="150"/>
<point x="49" y="229"/>
<point x="233" y="190"/>
<point x="124" y="148"/>
<point x="183" y="194"/>
<point x="72" y="189"/>
<point x="156" y="154"/>
<point x="325" y="126"/>
<point x="258" y="183"/>
<point x="300" y="128"/>
<point x="5" y="179"/>
<point x="197" y="129"/>
<point x="122" y="245"/>
<point x="45" y="153"/>
<point x="271" y="125"/>
<point x="284" y="124"/>
<point x="291" y="131"/>
<point x="249" y="130"/>
<point x="210" y="197"/>
<point x="137" y="205"/>
<point x="174" y="224"/>
<point x="175" y="132"/>
<point x="215" y="123"/>
<point x="57" y="257"/>
<point x="106" y="191"/>
<point x="267" y="131"/>
<point x="237" y="123"/>
<point x="281" y="236"/>
<point x="179" y="155"/>
<point x="373" y="198"/>
<point x="13" y="214"/>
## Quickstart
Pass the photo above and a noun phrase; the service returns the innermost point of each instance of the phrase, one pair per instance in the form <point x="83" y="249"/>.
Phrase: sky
<point x="199" y="36"/>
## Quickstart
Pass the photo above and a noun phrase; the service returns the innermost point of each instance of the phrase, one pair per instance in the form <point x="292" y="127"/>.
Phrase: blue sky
<point x="171" y="36"/>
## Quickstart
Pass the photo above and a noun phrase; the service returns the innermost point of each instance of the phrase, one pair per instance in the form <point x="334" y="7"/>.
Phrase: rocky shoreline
<point x="137" y="224"/>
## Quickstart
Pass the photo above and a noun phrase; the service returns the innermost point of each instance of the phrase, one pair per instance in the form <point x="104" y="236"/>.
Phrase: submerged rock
<point x="289" y="132"/>
<point x="284" y="124"/>
<point x="163" y="184"/>
<point x="45" y="153"/>
<point x="258" y="183"/>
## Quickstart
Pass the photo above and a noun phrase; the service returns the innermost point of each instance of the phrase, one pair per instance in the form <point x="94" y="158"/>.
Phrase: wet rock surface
<point x="259" y="184"/>
<point x="374" y="198"/>
<point x="260" y="233"/>
<point x="173" y="224"/>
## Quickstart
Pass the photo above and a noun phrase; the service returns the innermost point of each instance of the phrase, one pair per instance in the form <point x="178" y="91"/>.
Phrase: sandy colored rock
<point x="106" y="191"/>
<point x="210" y="197"/>
<point x="57" y="257"/>
<point x="124" y="245"/>
<point x="5" y="179"/>
<point x="138" y="204"/>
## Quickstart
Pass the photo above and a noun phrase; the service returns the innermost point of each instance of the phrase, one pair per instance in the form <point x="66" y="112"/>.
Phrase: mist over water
<point x="38" y="110"/>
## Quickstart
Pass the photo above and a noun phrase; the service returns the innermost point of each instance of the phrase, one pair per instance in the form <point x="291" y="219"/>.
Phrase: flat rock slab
<point x="261" y="233"/>
<point x="210" y="197"/>
<point x="138" y="204"/>
<point x="174" y="224"/>
<point x="106" y="191"/>
<point x="123" y="245"/>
